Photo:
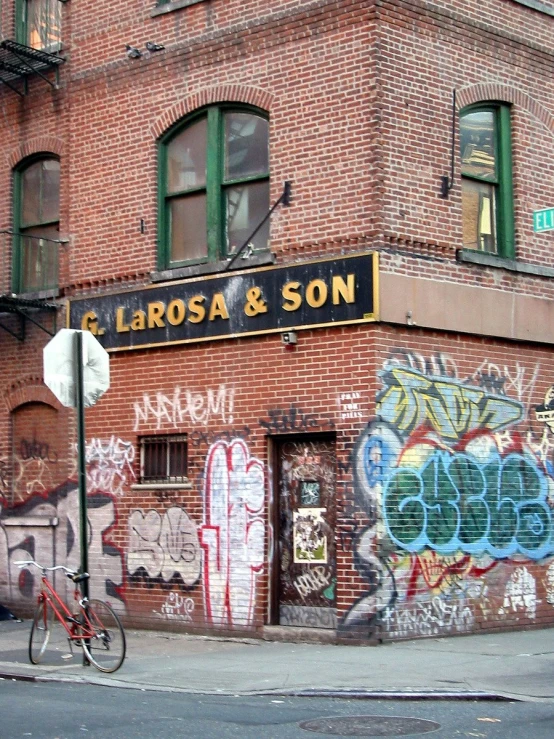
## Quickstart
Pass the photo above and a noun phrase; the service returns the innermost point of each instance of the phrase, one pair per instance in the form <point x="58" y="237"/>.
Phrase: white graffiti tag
<point x="109" y="464"/>
<point x="233" y="532"/>
<point x="164" y="545"/>
<point x="185" y="404"/>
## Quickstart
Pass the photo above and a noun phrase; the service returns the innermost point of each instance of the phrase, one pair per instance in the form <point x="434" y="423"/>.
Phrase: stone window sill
<point x="512" y="265"/>
<point x="185" y="485"/>
<point x="173" y="5"/>
<point x="211" y="268"/>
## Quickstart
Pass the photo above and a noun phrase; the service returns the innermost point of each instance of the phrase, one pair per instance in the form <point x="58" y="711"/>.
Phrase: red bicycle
<point x="94" y="626"/>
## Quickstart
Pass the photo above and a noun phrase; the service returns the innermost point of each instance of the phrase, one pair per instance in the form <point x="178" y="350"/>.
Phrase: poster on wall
<point x="310" y="541"/>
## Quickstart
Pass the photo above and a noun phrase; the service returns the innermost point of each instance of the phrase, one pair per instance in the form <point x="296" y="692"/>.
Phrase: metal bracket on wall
<point x="447" y="181"/>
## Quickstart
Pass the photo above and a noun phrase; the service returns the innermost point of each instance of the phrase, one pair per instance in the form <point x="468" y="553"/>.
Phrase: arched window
<point x="214" y="186"/>
<point x="36" y="225"/>
<point x="487" y="188"/>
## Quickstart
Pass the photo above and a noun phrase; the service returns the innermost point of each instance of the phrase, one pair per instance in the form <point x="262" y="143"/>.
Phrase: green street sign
<point x="543" y="220"/>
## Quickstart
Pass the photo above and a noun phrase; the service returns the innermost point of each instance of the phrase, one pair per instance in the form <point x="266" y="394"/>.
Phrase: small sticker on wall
<point x="310" y="541"/>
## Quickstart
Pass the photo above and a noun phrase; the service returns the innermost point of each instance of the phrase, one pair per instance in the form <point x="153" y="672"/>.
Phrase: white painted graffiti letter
<point x="233" y="532"/>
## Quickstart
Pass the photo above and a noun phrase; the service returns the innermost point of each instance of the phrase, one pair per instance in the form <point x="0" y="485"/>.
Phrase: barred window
<point x="163" y="458"/>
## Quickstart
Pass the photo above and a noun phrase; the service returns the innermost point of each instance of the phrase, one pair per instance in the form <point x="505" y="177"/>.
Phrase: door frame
<point x="273" y="514"/>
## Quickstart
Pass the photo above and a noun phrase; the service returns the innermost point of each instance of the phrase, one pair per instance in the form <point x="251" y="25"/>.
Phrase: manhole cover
<point x="370" y="726"/>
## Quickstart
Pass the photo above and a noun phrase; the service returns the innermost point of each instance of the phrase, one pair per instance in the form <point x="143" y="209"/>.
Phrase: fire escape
<point x="30" y="48"/>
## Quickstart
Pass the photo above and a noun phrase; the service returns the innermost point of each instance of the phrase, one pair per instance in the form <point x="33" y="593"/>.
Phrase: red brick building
<point x="315" y="239"/>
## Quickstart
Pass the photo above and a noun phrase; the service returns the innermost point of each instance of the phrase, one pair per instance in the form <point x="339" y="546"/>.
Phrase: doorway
<point x="305" y="572"/>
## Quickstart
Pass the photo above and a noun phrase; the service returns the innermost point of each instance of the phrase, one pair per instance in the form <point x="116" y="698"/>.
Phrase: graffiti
<point x="199" y="438"/>
<point x="310" y="617"/>
<point x="456" y="502"/>
<point x="520" y="594"/>
<point x="177" y="608"/>
<point x="33" y="449"/>
<point x="233" y="532"/>
<point x="197" y="407"/>
<point x="503" y="381"/>
<point x="293" y="420"/>
<point x="164" y="546"/>
<point x="313" y="580"/>
<point x="32" y="476"/>
<point x="349" y="404"/>
<point x="109" y="462"/>
<point x="549" y="584"/>
<point x="452" y="486"/>
<point x="4" y="473"/>
<point x="410" y="399"/>
<point x="430" y="618"/>
<point x="545" y="412"/>
<point x="46" y="528"/>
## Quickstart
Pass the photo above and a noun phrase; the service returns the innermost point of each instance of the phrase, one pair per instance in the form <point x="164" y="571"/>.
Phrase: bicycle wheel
<point x="40" y="631"/>
<point x="106" y="650"/>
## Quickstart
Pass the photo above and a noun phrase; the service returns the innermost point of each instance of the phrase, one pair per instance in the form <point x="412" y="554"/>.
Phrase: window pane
<point x="40" y="184"/>
<point x="30" y="184"/>
<point x="43" y="24"/>
<point x="50" y="190"/>
<point x="188" y="227"/>
<point x="246" y="207"/>
<point x="246" y="145"/>
<point x="186" y="159"/>
<point x="477" y="141"/>
<point x="39" y="259"/>
<point x="177" y="458"/>
<point x="479" y="216"/>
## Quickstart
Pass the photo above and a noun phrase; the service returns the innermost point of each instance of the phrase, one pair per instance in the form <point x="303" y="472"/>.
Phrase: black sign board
<point x="324" y="293"/>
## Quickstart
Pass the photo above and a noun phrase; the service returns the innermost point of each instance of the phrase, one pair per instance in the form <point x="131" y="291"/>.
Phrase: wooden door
<point x="306" y="532"/>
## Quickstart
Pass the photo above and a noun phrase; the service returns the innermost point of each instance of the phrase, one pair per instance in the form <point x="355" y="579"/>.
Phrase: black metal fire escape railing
<point x="39" y="272"/>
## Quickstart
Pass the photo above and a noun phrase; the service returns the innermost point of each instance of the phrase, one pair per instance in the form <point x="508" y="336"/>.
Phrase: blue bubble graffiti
<point x="455" y="502"/>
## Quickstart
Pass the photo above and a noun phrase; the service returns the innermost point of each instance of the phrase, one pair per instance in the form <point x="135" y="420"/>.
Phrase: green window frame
<point x="36" y="220"/>
<point x="487" y="179"/>
<point x="213" y="186"/>
<point x="38" y="24"/>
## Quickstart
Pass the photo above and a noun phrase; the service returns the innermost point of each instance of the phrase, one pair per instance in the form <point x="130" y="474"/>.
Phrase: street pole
<point x="82" y="472"/>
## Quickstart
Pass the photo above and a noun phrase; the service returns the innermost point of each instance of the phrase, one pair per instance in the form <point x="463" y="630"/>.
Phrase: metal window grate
<point x="163" y="459"/>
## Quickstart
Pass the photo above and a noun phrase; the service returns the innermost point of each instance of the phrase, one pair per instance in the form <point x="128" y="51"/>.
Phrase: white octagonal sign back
<point x="60" y="368"/>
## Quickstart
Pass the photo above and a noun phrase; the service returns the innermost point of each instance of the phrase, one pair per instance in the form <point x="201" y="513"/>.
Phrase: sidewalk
<point x="518" y="665"/>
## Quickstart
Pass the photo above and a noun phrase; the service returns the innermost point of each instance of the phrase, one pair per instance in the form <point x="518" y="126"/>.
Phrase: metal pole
<point x="82" y="472"/>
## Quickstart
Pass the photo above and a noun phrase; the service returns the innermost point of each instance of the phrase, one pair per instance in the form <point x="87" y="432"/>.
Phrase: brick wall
<point x="444" y="452"/>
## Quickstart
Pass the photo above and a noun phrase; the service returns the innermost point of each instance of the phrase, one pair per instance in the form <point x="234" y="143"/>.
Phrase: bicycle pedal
<point x="67" y="656"/>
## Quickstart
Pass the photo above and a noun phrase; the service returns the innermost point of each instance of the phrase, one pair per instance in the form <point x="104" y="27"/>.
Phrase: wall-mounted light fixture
<point x="289" y="339"/>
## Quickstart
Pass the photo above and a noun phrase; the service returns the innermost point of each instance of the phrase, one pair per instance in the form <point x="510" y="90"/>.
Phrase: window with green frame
<point x="213" y="186"/>
<point x="36" y="225"/>
<point x="39" y="24"/>
<point x="487" y="187"/>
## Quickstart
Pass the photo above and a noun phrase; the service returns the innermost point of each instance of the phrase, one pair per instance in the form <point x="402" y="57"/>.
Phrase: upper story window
<point x="487" y="188"/>
<point x="36" y="225"/>
<point x="163" y="459"/>
<point x="39" y="24"/>
<point x="214" y="186"/>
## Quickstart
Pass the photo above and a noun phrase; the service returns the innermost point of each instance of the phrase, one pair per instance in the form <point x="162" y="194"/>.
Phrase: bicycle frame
<point x="48" y="594"/>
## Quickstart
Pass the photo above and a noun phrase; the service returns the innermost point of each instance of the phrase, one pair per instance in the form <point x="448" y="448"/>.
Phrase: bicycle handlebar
<point x="72" y="574"/>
